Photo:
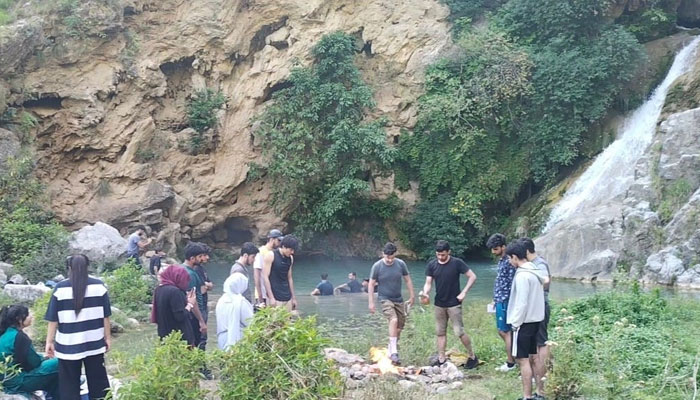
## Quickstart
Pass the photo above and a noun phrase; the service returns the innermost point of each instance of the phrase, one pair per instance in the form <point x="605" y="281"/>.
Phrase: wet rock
<point x="17" y="279"/>
<point x="100" y="242"/>
<point x="25" y="293"/>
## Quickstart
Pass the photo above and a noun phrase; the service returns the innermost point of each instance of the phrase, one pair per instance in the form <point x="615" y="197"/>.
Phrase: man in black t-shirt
<point x="445" y="270"/>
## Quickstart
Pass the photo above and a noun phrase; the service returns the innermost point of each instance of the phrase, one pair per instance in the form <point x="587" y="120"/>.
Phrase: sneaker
<point x="472" y="363"/>
<point x="395" y="359"/>
<point x="505" y="368"/>
<point x="538" y="396"/>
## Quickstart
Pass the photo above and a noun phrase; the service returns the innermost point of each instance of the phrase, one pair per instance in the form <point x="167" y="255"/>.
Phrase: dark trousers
<point x="69" y="377"/>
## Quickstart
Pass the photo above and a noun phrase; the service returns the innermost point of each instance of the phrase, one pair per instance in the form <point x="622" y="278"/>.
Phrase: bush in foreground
<point x="127" y="288"/>
<point x="278" y="358"/>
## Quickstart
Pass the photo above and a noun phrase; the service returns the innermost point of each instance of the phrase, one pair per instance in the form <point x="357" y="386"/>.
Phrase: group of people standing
<point x="520" y="303"/>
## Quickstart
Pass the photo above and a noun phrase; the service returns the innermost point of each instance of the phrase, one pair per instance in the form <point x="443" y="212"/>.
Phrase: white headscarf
<point x="232" y="311"/>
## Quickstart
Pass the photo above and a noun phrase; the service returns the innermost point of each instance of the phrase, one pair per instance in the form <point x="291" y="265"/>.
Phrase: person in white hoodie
<point x="525" y="312"/>
<point x="233" y="311"/>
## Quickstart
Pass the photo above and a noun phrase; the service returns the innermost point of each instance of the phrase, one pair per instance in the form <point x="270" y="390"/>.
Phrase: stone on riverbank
<point x="25" y="293"/>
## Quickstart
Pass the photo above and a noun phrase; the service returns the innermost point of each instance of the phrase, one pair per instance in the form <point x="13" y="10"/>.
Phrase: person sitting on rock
<point x="34" y="371"/>
<point x="324" y="288"/>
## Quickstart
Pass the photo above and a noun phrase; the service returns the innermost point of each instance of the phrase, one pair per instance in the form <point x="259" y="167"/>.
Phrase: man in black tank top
<point x="277" y="274"/>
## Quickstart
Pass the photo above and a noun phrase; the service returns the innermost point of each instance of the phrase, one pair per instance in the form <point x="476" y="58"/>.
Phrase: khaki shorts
<point x="286" y="304"/>
<point x="396" y="311"/>
<point x="442" y="314"/>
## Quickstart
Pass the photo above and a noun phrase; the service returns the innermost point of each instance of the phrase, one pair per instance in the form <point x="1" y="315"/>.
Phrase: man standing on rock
<point x="248" y="254"/>
<point x="525" y="313"/>
<point x="542" y="337"/>
<point x="388" y="274"/>
<point x="501" y="295"/>
<point x="446" y="270"/>
<point x="273" y="242"/>
<point x="277" y="274"/>
<point x="136" y="242"/>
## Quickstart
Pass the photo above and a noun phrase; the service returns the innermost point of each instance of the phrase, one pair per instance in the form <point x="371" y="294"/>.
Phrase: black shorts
<point x="526" y="342"/>
<point x="542" y="331"/>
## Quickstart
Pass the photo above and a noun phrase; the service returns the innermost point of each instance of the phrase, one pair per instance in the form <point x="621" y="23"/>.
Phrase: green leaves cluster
<point x="511" y="107"/>
<point x="30" y="238"/>
<point x="321" y="150"/>
<point x="171" y="371"/>
<point x="279" y="358"/>
<point x="637" y="341"/>
<point x="127" y="288"/>
<point x="202" y="111"/>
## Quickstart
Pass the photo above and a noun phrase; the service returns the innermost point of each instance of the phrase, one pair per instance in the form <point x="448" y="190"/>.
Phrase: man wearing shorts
<point x="445" y="270"/>
<point x="525" y="312"/>
<point x="501" y="294"/>
<point x="388" y="274"/>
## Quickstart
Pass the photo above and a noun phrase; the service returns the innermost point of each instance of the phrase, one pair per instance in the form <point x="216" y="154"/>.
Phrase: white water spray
<point x="612" y="172"/>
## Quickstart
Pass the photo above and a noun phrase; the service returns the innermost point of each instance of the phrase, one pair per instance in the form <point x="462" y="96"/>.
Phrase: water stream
<point x="612" y="172"/>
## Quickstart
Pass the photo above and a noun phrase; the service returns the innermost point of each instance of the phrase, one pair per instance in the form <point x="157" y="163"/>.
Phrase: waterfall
<point x="612" y="172"/>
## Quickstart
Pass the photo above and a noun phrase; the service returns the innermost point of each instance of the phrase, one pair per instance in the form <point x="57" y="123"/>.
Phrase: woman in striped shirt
<point x="79" y="330"/>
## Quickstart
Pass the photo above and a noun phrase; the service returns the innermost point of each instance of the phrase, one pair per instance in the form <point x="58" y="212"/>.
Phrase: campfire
<point x="357" y="372"/>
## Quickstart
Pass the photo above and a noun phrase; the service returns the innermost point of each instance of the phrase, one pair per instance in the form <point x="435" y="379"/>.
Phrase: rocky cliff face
<point x="111" y="98"/>
<point x="652" y="231"/>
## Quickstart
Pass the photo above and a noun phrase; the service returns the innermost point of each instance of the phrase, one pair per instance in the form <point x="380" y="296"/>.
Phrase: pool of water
<point x="307" y="274"/>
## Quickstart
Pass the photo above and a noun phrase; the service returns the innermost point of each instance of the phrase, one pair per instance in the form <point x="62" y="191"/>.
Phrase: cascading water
<point x="612" y="172"/>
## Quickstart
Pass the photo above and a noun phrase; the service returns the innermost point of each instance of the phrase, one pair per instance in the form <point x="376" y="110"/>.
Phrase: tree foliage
<point x="321" y="150"/>
<point x="202" y="112"/>
<point x="30" y="238"/>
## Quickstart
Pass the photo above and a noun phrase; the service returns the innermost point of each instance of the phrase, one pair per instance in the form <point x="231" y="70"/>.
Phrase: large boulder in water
<point x="100" y="242"/>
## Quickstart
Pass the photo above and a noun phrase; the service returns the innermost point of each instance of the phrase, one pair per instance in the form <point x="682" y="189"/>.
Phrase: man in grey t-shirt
<point x="388" y="274"/>
<point x="243" y="264"/>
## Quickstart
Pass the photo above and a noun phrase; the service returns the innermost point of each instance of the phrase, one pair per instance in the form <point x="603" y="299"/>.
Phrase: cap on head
<point x="274" y="234"/>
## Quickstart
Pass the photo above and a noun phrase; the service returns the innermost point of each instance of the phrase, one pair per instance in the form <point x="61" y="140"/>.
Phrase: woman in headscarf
<point x="172" y="305"/>
<point x="233" y="311"/>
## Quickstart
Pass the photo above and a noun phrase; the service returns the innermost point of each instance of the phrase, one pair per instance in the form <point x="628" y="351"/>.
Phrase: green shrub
<point x="171" y="371"/>
<point x="40" y="325"/>
<point x="637" y="342"/>
<point x="36" y="248"/>
<point x="433" y="221"/>
<point x="201" y="113"/>
<point x="279" y="358"/>
<point x="128" y="290"/>
<point x="321" y="149"/>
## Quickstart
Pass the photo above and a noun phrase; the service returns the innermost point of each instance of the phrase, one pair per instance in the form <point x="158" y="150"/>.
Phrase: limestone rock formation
<point x="100" y="242"/>
<point x="652" y="231"/>
<point x="9" y="146"/>
<point x="112" y="104"/>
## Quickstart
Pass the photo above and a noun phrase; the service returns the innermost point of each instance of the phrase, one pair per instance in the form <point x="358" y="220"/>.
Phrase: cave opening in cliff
<point x="45" y="101"/>
<point x="238" y="230"/>
<point x="271" y="90"/>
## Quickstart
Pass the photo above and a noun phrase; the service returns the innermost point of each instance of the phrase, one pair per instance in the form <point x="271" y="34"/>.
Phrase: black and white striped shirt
<point x="79" y="335"/>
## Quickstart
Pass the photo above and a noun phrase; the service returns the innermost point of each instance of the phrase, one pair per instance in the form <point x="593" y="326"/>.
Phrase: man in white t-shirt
<point x="274" y="237"/>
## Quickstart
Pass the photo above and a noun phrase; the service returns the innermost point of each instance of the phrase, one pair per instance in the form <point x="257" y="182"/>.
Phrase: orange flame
<point x="382" y="361"/>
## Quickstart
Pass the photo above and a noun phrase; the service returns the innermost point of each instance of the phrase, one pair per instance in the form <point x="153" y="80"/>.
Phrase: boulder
<point x="116" y="327"/>
<point x="25" y="293"/>
<point x="664" y="267"/>
<point x="100" y="242"/>
<point x="151" y="217"/>
<point x="17" y="279"/>
<point x="342" y="357"/>
<point x="18" y="41"/>
<point x="9" y="146"/>
<point x="35" y="396"/>
<point x="5" y="267"/>
<point x="196" y="217"/>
